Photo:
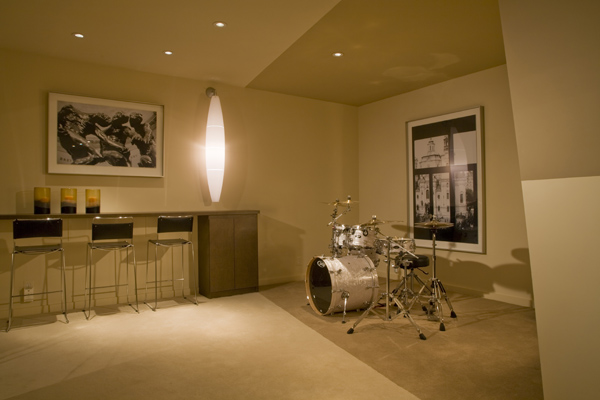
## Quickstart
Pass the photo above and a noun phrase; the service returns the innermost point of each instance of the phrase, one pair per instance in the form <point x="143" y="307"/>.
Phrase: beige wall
<point x="286" y="156"/>
<point x="503" y="272"/>
<point x="553" y="63"/>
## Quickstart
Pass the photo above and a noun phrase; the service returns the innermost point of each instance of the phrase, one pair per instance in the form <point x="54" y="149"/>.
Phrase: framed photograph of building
<point x="90" y="136"/>
<point x="446" y="180"/>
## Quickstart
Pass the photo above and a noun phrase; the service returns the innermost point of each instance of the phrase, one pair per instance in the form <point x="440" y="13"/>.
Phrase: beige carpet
<point x="240" y="347"/>
<point x="489" y="352"/>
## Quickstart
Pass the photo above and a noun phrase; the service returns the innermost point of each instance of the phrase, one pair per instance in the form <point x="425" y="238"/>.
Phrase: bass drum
<point x="329" y="281"/>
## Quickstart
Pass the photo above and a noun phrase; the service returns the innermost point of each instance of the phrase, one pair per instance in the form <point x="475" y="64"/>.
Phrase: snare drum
<point x="397" y="246"/>
<point x="406" y="245"/>
<point x="329" y="281"/>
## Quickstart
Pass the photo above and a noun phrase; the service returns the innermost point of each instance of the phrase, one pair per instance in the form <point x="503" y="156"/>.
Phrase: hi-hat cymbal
<point x="435" y="224"/>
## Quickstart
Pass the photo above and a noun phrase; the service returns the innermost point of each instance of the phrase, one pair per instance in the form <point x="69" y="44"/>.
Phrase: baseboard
<point x="279" y="280"/>
<point x="518" y="301"/>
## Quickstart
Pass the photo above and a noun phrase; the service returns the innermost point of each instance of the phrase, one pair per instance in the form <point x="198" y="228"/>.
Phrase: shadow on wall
<point x="482" y="278"/>
<point x="280" y="251"/>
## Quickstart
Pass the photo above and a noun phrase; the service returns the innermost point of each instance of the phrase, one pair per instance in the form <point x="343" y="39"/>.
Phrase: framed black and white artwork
<point x="446" y="180"/>
<point x="91" y="136"/>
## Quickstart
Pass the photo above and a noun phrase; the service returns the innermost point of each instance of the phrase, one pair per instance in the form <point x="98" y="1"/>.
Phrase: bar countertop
<point x="127" y="214"/>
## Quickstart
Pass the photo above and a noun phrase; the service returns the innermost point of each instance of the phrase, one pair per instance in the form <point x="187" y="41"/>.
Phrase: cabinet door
<point x="222" y="254"/>
<point x="246" y="251"/>
<point x="228" y="254"/>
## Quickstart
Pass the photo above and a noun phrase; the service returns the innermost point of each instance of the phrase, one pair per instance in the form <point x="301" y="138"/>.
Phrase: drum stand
<point x="435" y="310"/>
<point x="390" y="299"/>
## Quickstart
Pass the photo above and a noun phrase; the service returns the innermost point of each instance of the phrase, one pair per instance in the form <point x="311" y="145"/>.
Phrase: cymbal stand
<point x="335" y="251"/>
<point x="437" y="291"/>
<point x="390" y="298"/>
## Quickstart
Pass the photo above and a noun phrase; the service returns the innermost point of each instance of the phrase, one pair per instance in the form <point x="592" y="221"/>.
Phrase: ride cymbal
<point x="434" y="224"/>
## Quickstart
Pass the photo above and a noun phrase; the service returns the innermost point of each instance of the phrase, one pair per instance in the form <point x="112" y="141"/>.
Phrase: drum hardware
<point x="345" y="296"/>
<point x="338" y="232"/>
<point x="390" y="299"/>
<point x="435" y="310"/>
<point x="407" y="295"/>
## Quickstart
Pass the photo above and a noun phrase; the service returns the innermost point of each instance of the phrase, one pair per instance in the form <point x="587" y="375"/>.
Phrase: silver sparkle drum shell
<point x="360" y="237"/>
<point x="328" y="279"/>
<point x="397" y="246"/>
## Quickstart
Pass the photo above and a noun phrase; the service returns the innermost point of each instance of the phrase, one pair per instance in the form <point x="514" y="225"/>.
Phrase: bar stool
<point x="110" y="234"/>
<point x="171" y="225"/>
<point x="38" y="228"/>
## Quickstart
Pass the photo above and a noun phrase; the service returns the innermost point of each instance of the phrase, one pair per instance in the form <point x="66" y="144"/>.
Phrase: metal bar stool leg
<point x="193" y="267"/>
<point x="64" y="286"/>
<point x="137" y="305"/>
<point x="87" y="296"/>
<point x="12" y="278"/>
<point x="155" y="276"/>
<point x="182" y="274"/>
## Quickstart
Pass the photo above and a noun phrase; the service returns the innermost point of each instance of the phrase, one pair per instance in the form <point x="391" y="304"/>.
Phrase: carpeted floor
<point x="271" y="345"/>
<point x="489" y="352"/>
<point x="240" y="347"/>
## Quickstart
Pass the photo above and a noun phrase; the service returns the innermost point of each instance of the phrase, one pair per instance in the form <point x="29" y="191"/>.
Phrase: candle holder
<point x="92" y="201"/>
<point x="41" y="200"/>
<point x="68" y="201"/>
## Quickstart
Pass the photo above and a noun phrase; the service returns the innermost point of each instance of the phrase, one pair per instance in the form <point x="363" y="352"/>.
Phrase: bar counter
<point x="128" y="214"/>
<point x="226" y="244"/>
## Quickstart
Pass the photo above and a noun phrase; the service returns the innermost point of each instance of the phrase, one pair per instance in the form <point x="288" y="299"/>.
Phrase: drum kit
<point x="348" y="280"/>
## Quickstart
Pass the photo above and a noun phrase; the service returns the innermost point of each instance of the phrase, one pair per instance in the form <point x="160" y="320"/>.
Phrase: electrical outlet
<point x="28" y="293"/>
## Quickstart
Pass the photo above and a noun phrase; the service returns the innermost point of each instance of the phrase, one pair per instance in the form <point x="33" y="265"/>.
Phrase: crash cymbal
<point x="434" y="224"/>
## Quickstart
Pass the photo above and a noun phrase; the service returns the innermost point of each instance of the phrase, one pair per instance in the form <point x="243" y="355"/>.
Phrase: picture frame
<point x="446" y="180"/>
<point x="93" y="136"/>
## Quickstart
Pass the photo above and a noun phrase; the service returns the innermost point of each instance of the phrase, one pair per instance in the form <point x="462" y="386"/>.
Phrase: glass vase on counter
<point x="92" y="201"/>
<point x="68" y="201"/>
<point x="41" y="200"/>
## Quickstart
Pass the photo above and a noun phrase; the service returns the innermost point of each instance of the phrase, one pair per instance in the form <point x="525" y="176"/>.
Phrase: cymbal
<point x="342" y="203"/>
<point x="375" y="221"/>
<point x="435" y="224"/>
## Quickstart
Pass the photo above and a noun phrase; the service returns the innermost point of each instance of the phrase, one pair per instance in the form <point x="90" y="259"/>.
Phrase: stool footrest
<point x="36" y="294"/>
<point x="167" y="280"/>
<point x="104" y="287"/>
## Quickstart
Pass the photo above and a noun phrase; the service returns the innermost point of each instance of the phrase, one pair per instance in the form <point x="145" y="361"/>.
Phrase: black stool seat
<point x="419" y="261"/>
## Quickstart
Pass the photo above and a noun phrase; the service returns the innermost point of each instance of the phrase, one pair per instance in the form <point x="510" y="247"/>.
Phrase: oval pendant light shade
<point x="215" y="146"/>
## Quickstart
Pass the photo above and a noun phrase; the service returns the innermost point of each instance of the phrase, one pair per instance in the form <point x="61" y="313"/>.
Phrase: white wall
<point x="503" y="272"/>
<point x="553" y="63"/>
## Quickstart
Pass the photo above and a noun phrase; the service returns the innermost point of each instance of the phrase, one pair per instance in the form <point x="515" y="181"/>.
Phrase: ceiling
<point x="390" y="47"/>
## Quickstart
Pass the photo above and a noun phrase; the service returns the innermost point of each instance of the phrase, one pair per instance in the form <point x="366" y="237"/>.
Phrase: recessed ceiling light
<point x="168" y="52"/>
<point x="78" y="35"/>
<point x="338" y="54"/>
<point x="220" y="24"/>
